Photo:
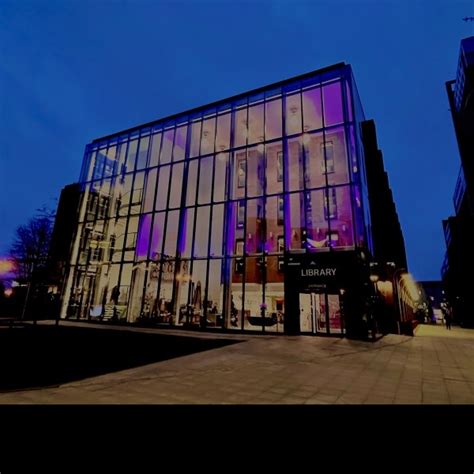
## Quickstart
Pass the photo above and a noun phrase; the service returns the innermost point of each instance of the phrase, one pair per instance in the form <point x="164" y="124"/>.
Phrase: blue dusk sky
<point x="72" y="71"/>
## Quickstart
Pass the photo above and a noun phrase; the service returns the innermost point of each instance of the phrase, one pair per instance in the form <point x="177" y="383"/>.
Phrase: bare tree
<point x="30" y="248"/>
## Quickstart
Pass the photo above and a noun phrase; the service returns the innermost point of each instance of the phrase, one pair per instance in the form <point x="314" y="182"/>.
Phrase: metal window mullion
<point x="210" y="223"/>
<point x="244" y="279"/>
<point x="155" y="214"/>
<point x="326" y="190"/>
<point x="228" y="207"/>
<point x="183" y="210"/>
<point x="165" y="226"/>
<point x="120" y="263"/>
<point x="193" y="246"/>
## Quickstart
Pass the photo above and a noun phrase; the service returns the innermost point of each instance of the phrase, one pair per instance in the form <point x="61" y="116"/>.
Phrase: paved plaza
<point x="436" y="366"/>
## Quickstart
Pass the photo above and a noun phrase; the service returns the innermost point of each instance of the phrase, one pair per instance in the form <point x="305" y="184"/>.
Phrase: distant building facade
<point x="459" y="229"/>
<point x="249" y="214"/>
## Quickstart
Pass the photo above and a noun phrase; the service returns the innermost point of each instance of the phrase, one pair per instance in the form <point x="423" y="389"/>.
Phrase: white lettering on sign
<point x="318" y="272"/>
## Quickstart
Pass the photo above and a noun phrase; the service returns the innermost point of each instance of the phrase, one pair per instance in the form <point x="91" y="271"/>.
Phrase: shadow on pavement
<point x="40" y="356"/>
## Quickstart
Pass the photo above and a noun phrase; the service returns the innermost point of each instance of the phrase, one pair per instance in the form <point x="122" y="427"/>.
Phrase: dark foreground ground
<point x="42" y="356"/>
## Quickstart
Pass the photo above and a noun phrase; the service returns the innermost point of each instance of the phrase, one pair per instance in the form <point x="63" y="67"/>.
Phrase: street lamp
<point x="374" y="279"/>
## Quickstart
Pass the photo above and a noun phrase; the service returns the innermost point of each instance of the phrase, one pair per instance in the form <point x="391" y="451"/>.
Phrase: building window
<point x="280" y="210"/>
<point x="330" y="209"/>
<point x="332" y="238"/>
<point x="239" y="247"/>
<point x="241" y="172"/>
<point x="327" y="152"/>
<point x="240" y="214"/>
<point x="280" y="166"/>
<point x="281" y="244"/>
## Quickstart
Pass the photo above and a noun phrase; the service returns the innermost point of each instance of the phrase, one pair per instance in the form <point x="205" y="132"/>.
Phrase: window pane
<point x="131" y="154"/>
<point x="241" y="127"/>
<point x="253" y="298"/>
<point x="110" y="162"/>
<point x="195" y="139"/>
<point x="273" y="223"/>
<point x="296" y="223"/>
<point x="239" y="174"/>
<point x="295" y="165"/>
<point x="336" y="157"/>
<point x="205" y="180"/>
<point x="192" y="182"/>
<point x="341" y="223"/>
<point x="122" y="158"/>
<point x="143" y="237"/>
<point x="256" y="133"/>
<point x="171" y="234"/>
<point x="202" y="231"/>
<point x="332" y="104"/>
<point x="220" y="176"/>
<point x="163" y="184"/>
<point x="208" y="136"/>
<point x="274" y="296"/>
<point x="314" y="160"/>
<point x="255" y="232"/>
<point x="167" y="146"/>
<point x="183" y="296"/>
<point x="217" y="230"/>
<point x="215" y="294"/>
<point x="274" y="171"/>
<point x="155" y="149"/>
<point x="256" y="171"/>
<point x="166" y="308"/>
<point x="124" y="288"/>
<point x="273" y="120"/>
<point x="143" y="153"/>
<point x="234" y="313"/>
<point x="317" y="232"/>
<point x="98" y="164"/>
<point x="223" y="133"/>
<point x="188" y="232"/>
<point x="117" y="240"/>
<point x="137" y="193"/>
<point x="157" y="236"/>
<point x="131" y="238"/>
<point x="349" y="101"/>
<point x="176" y="185"/>
<point x="180" y="143"/>
<point x="312" y="109"/>
<point x="235" y="230"/>
<point x="293" y="114"/>
<point x="197" y="290"/>
<point x="150" y="190"/>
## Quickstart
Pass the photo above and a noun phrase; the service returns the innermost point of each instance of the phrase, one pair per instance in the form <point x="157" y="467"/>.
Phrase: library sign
<point x="312" y="272"/>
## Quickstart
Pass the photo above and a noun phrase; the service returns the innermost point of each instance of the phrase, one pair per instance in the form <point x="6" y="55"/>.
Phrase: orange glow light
<point x="6" y="266"/>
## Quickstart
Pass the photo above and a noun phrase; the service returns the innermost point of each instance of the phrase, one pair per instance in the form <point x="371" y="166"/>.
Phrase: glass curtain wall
<point x="187" y="222"/>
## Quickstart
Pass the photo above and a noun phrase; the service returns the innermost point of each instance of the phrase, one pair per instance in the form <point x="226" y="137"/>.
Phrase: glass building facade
<point x="195" y="219"/>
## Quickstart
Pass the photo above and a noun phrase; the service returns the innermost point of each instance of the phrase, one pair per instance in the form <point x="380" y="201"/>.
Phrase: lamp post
<point x="396" y="273"/>
<point x="374" y="279"/>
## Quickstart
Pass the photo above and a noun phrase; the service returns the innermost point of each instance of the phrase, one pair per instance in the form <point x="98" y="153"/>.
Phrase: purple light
<point x="143" y="236"/>
<point x="332" y="104"/>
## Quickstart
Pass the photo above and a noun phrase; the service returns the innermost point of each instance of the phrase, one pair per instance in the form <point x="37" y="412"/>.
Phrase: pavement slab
<point x="436" y="366"/>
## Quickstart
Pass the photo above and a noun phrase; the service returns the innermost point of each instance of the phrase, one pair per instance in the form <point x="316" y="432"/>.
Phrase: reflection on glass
<point x="306" y="191"/>
<point x="273" y="120"/>
<point x="332" y="102"/>
<point x="312" y="109"/>
<point x="293" y="114"/>
<point x="155" y="149"/>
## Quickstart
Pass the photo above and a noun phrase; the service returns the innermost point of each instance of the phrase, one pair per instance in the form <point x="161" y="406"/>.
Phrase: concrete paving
<point x="436" y="366"/>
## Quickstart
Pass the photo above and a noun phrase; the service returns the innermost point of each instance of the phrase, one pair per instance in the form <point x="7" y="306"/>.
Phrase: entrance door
<point x="334" y="314"/>
<point x="320" y="313"/>
<point x="306" y="313"/>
